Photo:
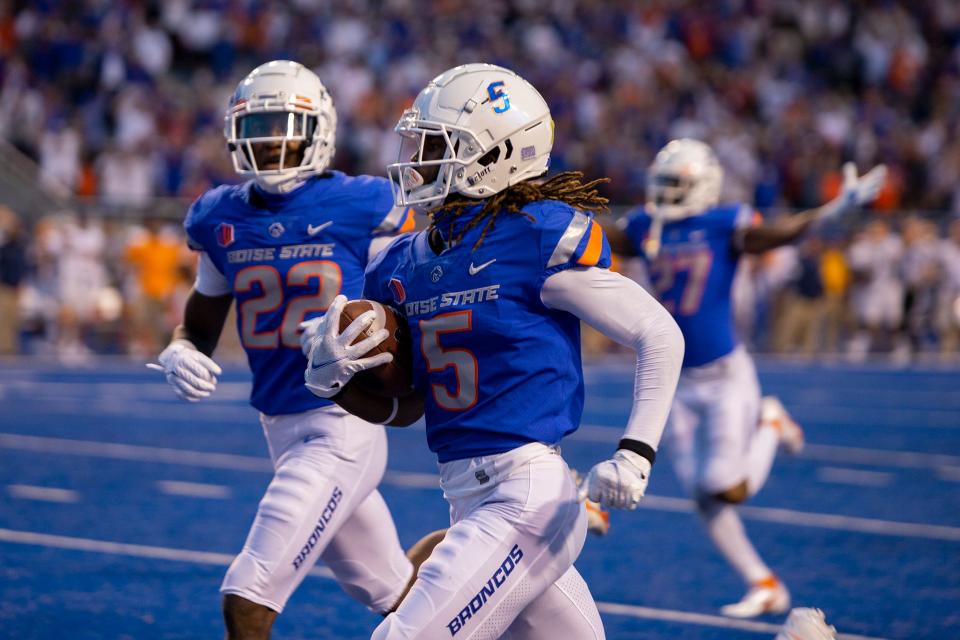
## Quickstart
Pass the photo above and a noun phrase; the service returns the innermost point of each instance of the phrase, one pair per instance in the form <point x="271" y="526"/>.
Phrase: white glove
<point x="619" y="482"/>
<point x="308" y="330"/>
<point x="333" y="361"/>
<point x="192" y="374"/>
<point x="855" y="191"/>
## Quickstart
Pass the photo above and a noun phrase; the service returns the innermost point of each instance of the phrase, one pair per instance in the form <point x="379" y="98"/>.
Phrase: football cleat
<point x="598" y="519"/>
<point x="766" y="596"/>
<point x="774" y="414"/>
<point x="806" y="624"/>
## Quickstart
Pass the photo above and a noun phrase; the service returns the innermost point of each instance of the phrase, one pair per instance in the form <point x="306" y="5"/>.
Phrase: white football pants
<point x="322" y="503"/>
<point x="713" y="419"/>
<point x="505" y="568"/>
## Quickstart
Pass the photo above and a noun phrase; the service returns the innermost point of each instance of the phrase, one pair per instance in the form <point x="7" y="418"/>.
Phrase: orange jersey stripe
<point x="591" y="255"/>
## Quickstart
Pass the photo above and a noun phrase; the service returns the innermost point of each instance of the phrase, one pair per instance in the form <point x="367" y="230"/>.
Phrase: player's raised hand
<point x="619" y="482"/>
<point x="856" y="191"/>
<point x="334" y="359"/>
<point x="192" y="374"/>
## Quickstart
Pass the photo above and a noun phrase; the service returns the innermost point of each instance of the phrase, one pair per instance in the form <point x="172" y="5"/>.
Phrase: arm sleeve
<point x="210" y="281"/>
<point x="621" y="310"/>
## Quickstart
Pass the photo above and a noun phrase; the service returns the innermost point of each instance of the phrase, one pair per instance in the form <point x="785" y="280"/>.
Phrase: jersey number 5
<point x="267" y="279"/>
<point x="463" y="362"/>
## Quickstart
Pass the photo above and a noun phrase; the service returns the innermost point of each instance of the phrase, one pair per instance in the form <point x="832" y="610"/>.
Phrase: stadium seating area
<point x="784" y="91"/>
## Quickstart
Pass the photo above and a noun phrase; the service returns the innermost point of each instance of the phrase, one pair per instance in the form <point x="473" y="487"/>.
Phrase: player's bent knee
<point x="246" y="620"/>
<point x="734" y="495"/>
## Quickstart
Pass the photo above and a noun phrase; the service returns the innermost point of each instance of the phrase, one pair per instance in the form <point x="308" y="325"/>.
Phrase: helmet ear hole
<point x="489" y="157"/>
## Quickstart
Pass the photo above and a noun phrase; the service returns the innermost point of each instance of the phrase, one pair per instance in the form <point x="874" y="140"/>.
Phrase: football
<point x="394" y="379"/>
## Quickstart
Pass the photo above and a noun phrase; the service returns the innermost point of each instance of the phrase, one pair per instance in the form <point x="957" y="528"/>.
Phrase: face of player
<point x="434" y="148"/>
<point x="277" y="125"/>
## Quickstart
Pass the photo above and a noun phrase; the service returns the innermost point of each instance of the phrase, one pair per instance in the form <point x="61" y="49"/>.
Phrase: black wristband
<point x="642" y="449"/>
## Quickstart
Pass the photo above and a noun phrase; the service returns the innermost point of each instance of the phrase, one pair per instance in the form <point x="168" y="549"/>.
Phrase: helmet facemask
<point x="432" y="155"/>
<point x="274" y="145"/>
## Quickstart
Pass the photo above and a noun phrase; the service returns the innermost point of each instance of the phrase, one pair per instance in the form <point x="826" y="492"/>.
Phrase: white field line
<point x="43" y="494"/>
<point x="223" y="559"/>
<point x="856" y="477"/>
<point x="194" y="489"/>
<point x="817" y="452"/>
<point x="408" y="479"/>
<point x="123" y="549"/>
<point x="950" y="474"/>
<point x="119" y="451"/>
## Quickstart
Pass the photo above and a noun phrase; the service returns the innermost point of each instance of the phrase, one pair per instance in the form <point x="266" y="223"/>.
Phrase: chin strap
<point x="286" y="185"/>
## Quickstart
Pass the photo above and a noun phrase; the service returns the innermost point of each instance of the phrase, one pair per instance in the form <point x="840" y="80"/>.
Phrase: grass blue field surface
<point x="121" y="506"/>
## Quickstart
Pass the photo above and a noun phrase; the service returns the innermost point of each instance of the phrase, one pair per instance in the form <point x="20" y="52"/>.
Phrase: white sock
<point x="763" y="449"/>
<point x="726" y="530"/>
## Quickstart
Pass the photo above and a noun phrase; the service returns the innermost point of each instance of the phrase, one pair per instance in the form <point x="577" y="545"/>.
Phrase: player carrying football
<point x="283" y="245"/>
<point x="493" y="293"/>
<point x="722" y="436"/>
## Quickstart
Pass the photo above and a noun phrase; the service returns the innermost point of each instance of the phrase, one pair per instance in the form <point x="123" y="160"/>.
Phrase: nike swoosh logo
<point x="314" y="230"/>
<point x="327" y="363"/>
<point x="475" y="270"/>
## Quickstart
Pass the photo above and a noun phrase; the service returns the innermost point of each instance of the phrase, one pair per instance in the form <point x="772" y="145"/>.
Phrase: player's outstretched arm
<point x="620" y="309"/>
<point x="186" y="360"/>
<point x="856" y="192"/>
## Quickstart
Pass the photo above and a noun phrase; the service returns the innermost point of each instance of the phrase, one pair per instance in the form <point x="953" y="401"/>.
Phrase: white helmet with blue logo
<point x="684" y="180"/>
<point x="487" y="128"/>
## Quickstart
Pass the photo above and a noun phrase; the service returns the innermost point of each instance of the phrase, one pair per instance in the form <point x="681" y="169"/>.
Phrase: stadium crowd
<point x="122" y="102"/>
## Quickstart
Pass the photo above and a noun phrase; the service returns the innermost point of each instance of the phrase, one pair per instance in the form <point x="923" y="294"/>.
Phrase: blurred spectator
<point x="920" y="270"/>
<point x="874" y="258"/>
<point x="802" y="309"/>
<point x="77" y="246"/>
<point x="156" y="256"/>
<point x="13" y="267"/>
<point x="948" y="298"/>
<point x="836" y="277"/>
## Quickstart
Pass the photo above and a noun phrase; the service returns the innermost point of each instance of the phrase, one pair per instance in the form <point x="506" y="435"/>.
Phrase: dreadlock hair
<point x="565" y="187"/>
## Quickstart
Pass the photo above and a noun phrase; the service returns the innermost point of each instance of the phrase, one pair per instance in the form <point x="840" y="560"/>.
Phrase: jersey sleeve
<point x="193" y="226"/>
<point x="386" y="219"/>
<point x="636" y="225"/>
<point x="377" y="283"/>
<point x="206" y="231"/>
<point x="570" y="238"/>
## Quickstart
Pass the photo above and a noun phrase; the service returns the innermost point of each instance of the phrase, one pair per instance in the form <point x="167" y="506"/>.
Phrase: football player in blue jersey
<point x="283" y="245"/>
<point x="494" y="292"/>
<point x="723" y="437"/>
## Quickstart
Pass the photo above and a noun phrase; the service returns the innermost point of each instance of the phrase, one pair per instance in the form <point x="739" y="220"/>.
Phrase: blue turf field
<point x="121" y="506"/>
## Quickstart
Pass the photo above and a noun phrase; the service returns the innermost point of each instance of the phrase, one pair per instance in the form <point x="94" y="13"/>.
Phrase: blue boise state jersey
<point x="693" y="275"/>
<point x="498" y="369"/>
<point x="286" y="257"/>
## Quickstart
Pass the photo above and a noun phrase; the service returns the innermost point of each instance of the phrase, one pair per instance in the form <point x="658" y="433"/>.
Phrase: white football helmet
<point x="489" y="129"/>
<point x="279" y="102"/>
<point x="684" y="180"/>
